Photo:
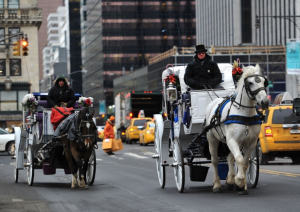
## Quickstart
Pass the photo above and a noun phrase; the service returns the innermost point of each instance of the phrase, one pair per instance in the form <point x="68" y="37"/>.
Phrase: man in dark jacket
<point x="60" y="94"/>
<point x="202" y="71"/>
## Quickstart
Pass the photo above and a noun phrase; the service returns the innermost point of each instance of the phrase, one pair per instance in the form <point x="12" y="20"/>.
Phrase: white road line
<point x="113" y="156"/>
<point x="136" y="155"/>
<point x="13" y="163"/>
<point x="98" y="159"/>
<point x="149" y="153"/>
<point x="17" y="200"/>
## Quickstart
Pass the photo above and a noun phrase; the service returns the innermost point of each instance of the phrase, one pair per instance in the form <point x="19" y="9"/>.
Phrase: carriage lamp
<point x="7" y="83"/>
<point x="171" y="93"/>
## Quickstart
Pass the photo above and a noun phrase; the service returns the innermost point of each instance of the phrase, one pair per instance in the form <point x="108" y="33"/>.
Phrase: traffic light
<point x="16" y="48"/>
<point x="103" y="115"/>
<point x="24" y="44"/>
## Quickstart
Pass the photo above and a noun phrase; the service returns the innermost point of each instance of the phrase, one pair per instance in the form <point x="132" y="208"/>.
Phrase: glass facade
<point x="92" y="51"/>
<point x="133" y="32"/>
<point x="75" y="46"/>
<point x="272" y="65"/>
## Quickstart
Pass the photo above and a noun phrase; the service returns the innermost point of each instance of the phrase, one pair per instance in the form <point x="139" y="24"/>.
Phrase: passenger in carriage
<point x="61" y="94"/>
<point x="202" y="71"/>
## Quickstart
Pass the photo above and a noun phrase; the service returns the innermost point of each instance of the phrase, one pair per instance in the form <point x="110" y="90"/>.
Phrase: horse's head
<point x="87" y="127"/>
<point x="255" y="84"/>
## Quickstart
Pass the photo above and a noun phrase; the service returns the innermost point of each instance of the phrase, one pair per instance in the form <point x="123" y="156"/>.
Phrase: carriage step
<point x="155" y="156"/>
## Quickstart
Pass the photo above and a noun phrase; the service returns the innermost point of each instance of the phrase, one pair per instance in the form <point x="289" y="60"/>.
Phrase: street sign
<point x="293" y="56"/>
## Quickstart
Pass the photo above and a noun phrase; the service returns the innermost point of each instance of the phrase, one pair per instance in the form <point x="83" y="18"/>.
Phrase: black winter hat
<point x="200" y="48"/>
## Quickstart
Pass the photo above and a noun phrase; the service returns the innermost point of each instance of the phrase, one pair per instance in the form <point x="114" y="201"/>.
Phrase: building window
<point x="54" y="31"/>
<point x="54" y="25"/>
<point x="84" y="16"/>
<point x="53" y="18"/>
<point x="13" y="4"/>
<point x="1" y="4"/>
<point x="47" y="71"/>
<point x="63" y="18"/>
<point x="13" y="31"/>
<point x="15" y="67"/>
<point x="246" y="22"/>
<point x="2" y="35"/>
<point x="8" y="100"/>
<point x="2" y="67"/>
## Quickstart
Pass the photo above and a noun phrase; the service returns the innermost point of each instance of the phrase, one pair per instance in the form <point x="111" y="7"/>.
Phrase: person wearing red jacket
<point x="109" y="131"/>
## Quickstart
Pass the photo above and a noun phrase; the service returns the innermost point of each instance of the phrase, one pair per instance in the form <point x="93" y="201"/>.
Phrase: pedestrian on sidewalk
<point x="109" y="131"/>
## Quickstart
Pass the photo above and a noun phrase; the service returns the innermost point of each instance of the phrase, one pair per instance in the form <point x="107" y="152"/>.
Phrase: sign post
<point x="292" y="66"/>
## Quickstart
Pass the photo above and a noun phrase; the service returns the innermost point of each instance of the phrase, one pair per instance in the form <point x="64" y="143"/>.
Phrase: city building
<point x="125" y="34"/>
<point x="19" y="75"/>
<point x="55" y="60"/>
<point x="48" y="6"/>
<point x="230" y="23"/>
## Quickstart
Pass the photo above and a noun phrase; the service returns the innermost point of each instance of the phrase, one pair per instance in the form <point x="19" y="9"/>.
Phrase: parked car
<point x="100" y="132"/>
<point x="7" y="141"/>
<point x="147" y="133"/>
<point x="279" y="138"/>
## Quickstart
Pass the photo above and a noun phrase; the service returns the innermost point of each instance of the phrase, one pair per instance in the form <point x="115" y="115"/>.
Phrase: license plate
<point x="294" y="131"/>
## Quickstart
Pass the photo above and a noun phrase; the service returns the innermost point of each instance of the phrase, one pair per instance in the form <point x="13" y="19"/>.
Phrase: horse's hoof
<point x="229" y="187"/>
<point x="217" y="190"/>
<point x="245" y="192"/>
<point x="86" y="187"/>
<point x="237" y="188"/>
<point x="73" y="186"/>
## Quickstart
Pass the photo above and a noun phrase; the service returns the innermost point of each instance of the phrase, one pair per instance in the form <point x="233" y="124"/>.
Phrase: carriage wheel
<point x="30" y="166"/>
<point x="253" y="168"/>
<point x="161" y="170"/>
<point x="178" y="164"/>
<point x="91" y="170"/>
<point x="16" y="172"/>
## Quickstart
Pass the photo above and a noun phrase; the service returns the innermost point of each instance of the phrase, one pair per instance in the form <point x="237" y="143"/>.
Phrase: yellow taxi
<point x="280" y="131"/>
<point x="147" y="133"/>
<point x="133" y="131"/>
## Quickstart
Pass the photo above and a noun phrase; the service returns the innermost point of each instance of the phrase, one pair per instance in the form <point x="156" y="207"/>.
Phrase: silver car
<point x="7" y="141"/>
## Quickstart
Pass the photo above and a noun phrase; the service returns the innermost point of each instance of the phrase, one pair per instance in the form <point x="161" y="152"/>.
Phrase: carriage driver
<point x="61" y="94"/>
<point x="202" y="71"/>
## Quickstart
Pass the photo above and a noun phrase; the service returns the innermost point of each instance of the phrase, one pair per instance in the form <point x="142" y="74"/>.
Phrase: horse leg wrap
<point x="74" y="181"/>
<point x="81" y="182"/>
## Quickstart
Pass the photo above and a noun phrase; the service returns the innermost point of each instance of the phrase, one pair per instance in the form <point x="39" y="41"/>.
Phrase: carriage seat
<point x="45" y="104"/>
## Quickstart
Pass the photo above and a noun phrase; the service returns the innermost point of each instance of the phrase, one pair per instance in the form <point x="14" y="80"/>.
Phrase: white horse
<point x="251" y="89"/>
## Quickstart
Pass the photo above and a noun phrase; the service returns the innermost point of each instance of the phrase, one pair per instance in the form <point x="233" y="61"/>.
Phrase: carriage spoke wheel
<point x="16" y="172"/>
<point x="178" y="164"/>
<point x="30" y="166"/>
<point x="161" y="170"/>
<point x="91" y="170"/>
<point x="253" y="168"/>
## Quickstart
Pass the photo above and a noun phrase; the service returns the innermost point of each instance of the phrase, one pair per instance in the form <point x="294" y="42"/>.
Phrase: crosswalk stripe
<point x="135" y="155"/>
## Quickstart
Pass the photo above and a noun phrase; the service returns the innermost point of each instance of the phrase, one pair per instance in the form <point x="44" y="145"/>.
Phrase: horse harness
<point x="230" y="119"/>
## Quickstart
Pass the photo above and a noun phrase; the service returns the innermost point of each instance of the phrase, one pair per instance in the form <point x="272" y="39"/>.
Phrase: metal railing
<point x="219" y="50"/>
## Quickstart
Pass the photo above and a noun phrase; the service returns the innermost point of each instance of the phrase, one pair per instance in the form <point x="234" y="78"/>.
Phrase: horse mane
<point x="247" y="71"/>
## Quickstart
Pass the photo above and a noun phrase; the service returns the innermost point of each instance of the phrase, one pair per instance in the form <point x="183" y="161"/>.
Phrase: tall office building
<point x="48" y="6"/>
<point x="132" y="32"/>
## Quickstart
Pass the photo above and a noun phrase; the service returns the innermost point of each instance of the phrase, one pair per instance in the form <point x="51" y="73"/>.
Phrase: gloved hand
<point x="63" y="104"/>
<point x="55" y="106"/>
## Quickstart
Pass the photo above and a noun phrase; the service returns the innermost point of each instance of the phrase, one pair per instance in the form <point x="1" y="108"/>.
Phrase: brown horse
<point x="79" y="150"/>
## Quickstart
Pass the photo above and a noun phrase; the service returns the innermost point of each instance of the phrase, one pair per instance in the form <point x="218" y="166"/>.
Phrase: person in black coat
<point x="61" y="94"/>
<point x="202" y="71"/>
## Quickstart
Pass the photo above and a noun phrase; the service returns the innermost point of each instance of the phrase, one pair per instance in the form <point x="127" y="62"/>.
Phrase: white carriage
<point x="185" y="129"/>
<point x="33" y="143"/>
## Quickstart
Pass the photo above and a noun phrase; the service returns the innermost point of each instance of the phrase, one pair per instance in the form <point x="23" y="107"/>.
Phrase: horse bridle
<point x="252" y="94"/>
<point x="88" y="122"/>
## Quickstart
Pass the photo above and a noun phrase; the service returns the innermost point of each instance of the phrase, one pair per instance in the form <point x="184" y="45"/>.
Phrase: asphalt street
<point x="127" y="181"/>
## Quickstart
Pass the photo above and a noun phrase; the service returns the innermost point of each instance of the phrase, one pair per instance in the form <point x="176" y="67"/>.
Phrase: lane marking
<point x="135" y="155"/>
<point x="17" y="200"/>
<point x="279" y="173"/>
<point x="13" y="163"/>
<point x="98" y="159"/>
<point x="113" y="156"/>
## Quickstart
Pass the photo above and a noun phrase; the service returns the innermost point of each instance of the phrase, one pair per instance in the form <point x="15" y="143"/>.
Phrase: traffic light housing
<point x="16" y="48"/>
<point x="24" y="44"/>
